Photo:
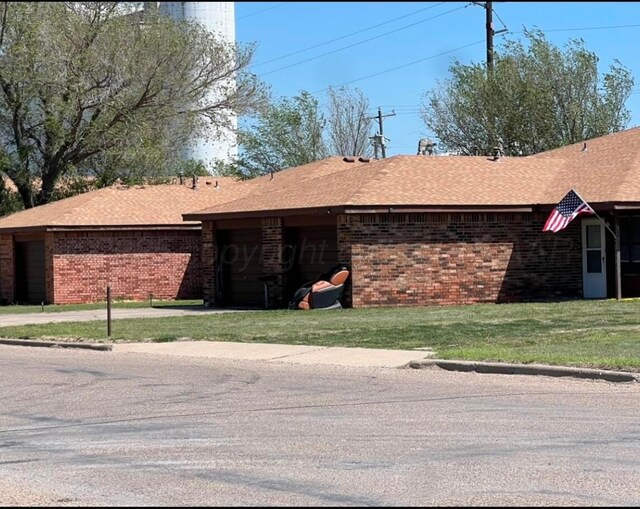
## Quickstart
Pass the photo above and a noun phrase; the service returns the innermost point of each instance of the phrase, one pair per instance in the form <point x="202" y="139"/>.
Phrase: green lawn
<point x="603" y="334"/>
<point x="50" y="308"/>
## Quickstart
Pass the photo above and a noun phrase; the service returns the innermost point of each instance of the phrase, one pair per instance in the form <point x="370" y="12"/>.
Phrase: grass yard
<point x="604" y="334"/>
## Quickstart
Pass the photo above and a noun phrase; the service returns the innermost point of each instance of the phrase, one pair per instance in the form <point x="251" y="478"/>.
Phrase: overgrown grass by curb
<point x="601" y="334"/>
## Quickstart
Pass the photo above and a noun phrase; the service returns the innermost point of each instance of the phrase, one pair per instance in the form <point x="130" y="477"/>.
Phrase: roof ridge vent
<point x="364" y="159"/>
<point x="349" y="159"/>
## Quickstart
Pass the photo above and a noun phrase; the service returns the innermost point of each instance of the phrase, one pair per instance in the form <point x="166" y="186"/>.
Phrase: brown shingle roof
<point x="406" y="181"/>
<point x="160" y="205"/>
<point x="607" y="171"/>
<point x="297" y="182"/>
<point x="119" y="206"/>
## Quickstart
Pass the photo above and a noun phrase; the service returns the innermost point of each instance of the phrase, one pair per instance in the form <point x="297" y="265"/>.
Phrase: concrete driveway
<point x="101" y="314"/>
<point x="293" y="354"/>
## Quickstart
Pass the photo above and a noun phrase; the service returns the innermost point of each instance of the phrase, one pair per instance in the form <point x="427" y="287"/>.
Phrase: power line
<point x="362" y="42"/>
<point x="348" y="35"/>
<point x="577" y="29"/>
<point x="263" y="10"/>
<point x="402" y="66"/>
<point x="500" y="19"/>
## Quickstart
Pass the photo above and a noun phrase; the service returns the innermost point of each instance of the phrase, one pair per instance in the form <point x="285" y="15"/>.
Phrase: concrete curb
<point x="55" y="344"/>
<point x="527" y="369"/>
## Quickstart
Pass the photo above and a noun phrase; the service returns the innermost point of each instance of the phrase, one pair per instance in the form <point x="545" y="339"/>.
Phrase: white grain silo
<point x="217" y="17"/>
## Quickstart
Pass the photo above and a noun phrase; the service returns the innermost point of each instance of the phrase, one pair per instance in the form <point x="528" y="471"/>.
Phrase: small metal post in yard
<point x="150" y="300"/>
<point x="108" y="311"/>
<point x="42" y="304"/>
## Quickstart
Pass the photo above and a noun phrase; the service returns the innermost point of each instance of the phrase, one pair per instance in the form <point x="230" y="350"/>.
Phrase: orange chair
<point x="323" y="293"/>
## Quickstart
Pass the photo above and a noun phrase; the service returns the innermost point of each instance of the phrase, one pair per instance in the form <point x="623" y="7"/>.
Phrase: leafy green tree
<point x="537" y="98"/>
<point x="286" y="133"/>
<point x="93" y="87"/>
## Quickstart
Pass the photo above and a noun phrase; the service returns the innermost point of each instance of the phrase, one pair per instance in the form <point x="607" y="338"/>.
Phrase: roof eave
<point x="355" y="209"/>
<point x="385" y="209"/>
<point x="330" y="209"/>
<point x="59" y="228"/>
<point x="23" y="229"/>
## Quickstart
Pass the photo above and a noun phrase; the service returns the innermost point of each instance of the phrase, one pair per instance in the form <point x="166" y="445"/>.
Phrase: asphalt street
<point x="96" y="428"/>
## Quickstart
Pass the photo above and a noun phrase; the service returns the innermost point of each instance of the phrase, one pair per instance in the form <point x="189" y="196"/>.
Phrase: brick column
<point x="344" y="256"/>
<point x="209" y="264"/>
<point x="272" y="259"/>
<point x="49" y="268"/>
<point x="7" y="269"/>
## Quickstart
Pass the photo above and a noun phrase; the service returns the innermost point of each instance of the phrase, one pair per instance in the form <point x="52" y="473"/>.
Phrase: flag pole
<point x="595" y="213"/>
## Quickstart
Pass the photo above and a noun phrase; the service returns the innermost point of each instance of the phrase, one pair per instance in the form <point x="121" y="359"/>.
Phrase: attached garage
<point x="31" y="287"/>
<point x="311" y="250"/>
<point x="239" y="268"/>
<point x="130" y="239"/>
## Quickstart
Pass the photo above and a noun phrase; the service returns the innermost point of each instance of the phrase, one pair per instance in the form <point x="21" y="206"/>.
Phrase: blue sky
<point x="356" y="43"/>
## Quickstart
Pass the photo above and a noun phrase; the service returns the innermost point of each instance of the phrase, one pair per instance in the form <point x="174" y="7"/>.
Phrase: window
<point x="630" y="244"/>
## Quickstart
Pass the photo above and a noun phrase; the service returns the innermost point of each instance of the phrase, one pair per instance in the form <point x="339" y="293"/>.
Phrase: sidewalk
<point x="101" y="314"/>
<point x="297" y="354"/>
<point x="335" y="356"/>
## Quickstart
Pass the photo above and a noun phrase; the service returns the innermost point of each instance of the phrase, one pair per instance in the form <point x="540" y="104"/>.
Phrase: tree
<point x="90" y="87"/>
<point x="9" y="200"/>
<point x="538" y="98"/>
<point x="349" y="124"/>
<point x="287" y="133"/>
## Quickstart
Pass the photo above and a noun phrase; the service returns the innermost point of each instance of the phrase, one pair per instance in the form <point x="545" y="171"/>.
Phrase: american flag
<point x="566" y="211"/>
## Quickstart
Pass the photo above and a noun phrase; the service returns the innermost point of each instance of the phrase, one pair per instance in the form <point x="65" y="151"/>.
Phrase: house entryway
<point x="594" y="266"/>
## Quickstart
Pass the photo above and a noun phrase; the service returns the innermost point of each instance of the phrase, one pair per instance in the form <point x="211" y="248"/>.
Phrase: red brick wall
<point x="7" y="269"/>
<point x="344" y="256"/>
<point x="48" y="267"/>
<point x="272" y="259"/>
<point x="209" y="256"/>
<point x="424" y="259"/>
<point x="135" y="264"/>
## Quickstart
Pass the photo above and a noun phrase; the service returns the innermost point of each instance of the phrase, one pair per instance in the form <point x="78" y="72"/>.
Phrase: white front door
<point x="594" y="271"/>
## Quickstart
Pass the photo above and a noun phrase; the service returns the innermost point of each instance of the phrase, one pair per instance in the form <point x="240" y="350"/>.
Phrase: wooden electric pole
<point x="488" y="8"/>
<point x="378" y="139"/>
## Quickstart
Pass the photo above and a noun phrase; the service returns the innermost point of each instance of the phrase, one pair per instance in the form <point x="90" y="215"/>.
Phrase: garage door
<point x="30" y="272"/>
<point x="240" y="265"/>
<point x="314" y="251"/>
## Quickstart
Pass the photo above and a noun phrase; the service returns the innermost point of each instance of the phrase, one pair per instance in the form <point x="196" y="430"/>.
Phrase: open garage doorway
<point x="31" y="287"/>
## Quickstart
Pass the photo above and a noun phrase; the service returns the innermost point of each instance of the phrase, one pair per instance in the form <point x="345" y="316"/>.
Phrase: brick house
<point x="131" y="238"/>
<point x="421" y="230"/>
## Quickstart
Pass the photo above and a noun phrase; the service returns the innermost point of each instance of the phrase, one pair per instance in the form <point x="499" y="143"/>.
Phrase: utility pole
<point x="488" y="7"/>
<point x="378" y="139"/>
